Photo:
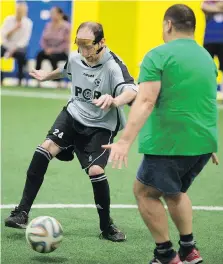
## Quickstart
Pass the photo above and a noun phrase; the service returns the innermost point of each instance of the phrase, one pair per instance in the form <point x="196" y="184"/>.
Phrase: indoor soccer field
<point x="66" y="194"/>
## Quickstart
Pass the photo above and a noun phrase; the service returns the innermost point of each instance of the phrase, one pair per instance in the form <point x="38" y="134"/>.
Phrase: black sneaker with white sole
<point x="113" y="234"/>
<point x="17" y="219"/>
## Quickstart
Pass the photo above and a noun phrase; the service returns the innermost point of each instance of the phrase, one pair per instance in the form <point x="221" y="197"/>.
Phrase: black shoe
<point x="113" y="234"/>
<point x="17" y="219"/>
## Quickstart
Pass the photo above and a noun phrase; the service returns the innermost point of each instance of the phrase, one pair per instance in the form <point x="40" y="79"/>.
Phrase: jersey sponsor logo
<point x="88" y="75"/>
<point x="86" y="93"/>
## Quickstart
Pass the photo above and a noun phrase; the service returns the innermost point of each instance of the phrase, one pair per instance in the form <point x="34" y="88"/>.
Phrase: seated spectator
<point x="16" y="32"/>
<point x="55" y="39"/>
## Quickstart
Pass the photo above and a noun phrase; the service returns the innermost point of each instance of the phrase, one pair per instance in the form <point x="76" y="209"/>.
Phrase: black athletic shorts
<point x="216" y="49"/>
<point x="171" y="174"/>
<point x="73" y="137"/>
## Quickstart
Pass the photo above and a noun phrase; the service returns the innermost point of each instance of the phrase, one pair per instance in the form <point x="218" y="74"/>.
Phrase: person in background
<point x="213" y="38"/>
<point x="16" y="32"/>
<point x="55" y="39"/>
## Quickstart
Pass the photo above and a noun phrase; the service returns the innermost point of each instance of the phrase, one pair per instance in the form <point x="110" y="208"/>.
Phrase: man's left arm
<point x="127" y="96"/>
<point x="141" y="109"/>
<point x="123" y="88"/>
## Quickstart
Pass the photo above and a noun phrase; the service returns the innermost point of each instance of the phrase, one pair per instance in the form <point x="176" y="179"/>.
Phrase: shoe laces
<point x="15" y="211"/>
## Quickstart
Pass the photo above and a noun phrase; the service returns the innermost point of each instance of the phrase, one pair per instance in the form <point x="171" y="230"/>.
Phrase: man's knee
<point x="142" y="191"/>
<point x="95" y="170"/>
<point x="174" y="199"/>
<point x="51" y="147"/>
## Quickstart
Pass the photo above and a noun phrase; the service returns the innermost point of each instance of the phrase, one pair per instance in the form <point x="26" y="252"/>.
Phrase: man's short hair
<point x="96" y="29"/>
<point x="182" y="17"/>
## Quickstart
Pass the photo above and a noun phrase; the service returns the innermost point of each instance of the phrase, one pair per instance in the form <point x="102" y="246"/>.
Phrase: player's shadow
<point x="50" y="259"/>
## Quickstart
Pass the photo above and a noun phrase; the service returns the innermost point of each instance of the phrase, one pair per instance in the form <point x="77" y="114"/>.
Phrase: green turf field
<point x="25" y="122"/>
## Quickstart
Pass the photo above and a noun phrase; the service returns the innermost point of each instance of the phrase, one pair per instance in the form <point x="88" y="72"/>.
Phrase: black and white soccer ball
<point x="44" y="234"/>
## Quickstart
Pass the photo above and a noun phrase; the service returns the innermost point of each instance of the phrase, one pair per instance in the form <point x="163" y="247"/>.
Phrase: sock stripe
<point x="44" y="152"/>
<point x="98" y="178"/>
<point x="187" y="244"/>
<point x="164" y="250"/>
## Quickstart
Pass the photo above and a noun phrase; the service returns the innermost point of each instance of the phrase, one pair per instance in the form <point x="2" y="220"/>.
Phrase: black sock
<point x="102" y="199"/>
<point x="187" y="243"/>
<point x="35" y="176"/>
<point x="165" y="251"/>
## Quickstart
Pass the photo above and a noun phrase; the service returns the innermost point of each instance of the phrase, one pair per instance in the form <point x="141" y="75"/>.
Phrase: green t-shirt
<point x="184" y="119"/>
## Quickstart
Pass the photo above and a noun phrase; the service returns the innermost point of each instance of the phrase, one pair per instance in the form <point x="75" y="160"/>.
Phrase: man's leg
<point x="180" y="208"/>
<point x="101" y="194"/>
<point x="59" y="137"/>
<point x="35" y="176"/>
<point x="93" y="160"/>
<point x="157" y="175"/>
<point x="102" y="201"/>
<point x="36" y="171"/>
<point x="154" y="215"/>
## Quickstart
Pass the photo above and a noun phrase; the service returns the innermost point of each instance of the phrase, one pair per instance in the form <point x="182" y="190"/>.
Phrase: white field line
<point x="45" y="95"/>
<point x="116" y="206"/>
<point x="39" y="94"/>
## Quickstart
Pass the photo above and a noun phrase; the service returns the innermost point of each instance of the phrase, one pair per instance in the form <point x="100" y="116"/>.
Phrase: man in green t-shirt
<point x="176" y="114"/>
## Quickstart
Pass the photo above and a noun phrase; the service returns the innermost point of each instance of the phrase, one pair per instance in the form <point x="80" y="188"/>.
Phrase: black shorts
<point x="171" y="174"/>
<point x="73" y="137"/>
<point x="216" y="49"/>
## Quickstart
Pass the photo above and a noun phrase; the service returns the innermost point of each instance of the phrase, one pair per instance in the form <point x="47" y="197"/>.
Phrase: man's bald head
<point x="90" y="30"/>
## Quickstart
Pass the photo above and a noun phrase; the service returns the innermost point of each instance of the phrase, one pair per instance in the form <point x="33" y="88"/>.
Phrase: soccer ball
<point x="44" y="234"/>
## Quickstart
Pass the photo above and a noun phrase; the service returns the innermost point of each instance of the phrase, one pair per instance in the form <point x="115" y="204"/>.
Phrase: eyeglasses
<point x="87" y="45"/>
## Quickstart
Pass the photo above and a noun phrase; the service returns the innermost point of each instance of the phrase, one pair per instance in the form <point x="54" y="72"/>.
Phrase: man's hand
<point x="105" y="102"/>
<point x="17" y="26"/>
<point x="9" y="53"/>
<point x="40" y="75"/>
<point x="119" y="153"/>
<point x="215" y="158"/>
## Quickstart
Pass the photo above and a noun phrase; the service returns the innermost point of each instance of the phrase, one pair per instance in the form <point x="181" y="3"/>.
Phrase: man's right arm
<point x="42" y="76"/>
<point x="210" y="8"/>
<point x="7" y="31"/>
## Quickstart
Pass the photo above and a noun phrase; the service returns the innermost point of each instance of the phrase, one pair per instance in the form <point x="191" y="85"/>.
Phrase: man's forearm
<point x="140" y="111"/>
<point x="10" y="33"/>
<point x="124" y="98"/>
<point x="56" y="74"/>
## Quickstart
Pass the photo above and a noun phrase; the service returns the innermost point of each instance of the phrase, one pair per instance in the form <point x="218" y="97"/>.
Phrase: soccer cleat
<point x="17" y="219"/>
<point x="175" y="260"/>
<point x="193" y="257"/>
<point x="113" y="234"/>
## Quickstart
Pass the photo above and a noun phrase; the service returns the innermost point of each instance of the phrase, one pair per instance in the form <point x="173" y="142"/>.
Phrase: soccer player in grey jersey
<point x="92" y="117"/>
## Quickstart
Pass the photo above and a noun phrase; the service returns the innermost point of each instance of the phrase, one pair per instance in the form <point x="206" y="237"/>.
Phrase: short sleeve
<point x="151" y="67"/>
<point x="66" y="70"/>
<point x="121" y="79"/>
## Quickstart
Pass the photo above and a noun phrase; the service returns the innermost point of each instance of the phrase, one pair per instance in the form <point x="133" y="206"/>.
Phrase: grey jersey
<point x="109" y="76"/>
